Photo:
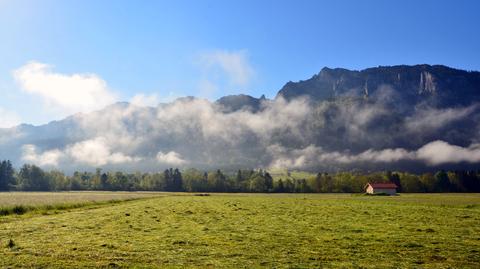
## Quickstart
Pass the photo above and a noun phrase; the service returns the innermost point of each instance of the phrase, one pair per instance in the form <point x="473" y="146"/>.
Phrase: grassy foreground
<point x="242" y="230"/>
<point x="19" y="203"/>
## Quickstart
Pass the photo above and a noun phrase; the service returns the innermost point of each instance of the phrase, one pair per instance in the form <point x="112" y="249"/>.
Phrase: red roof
<point x="383" y="185"/>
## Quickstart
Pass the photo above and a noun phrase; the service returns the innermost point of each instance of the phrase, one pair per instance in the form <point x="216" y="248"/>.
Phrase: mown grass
<point x="255" y="230"/>
<point x="19" y="203"/>
<point x="49" y="198"/>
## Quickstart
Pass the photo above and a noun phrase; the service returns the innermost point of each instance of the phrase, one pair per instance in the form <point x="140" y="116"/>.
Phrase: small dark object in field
<point x="11" y="244"/>
<point x="74" y="248"/>
<point x="430" y="230"/>
<point x="19" y="210"/>
<point x="127" y="214"/>
<point x="113" y="265"/>
<point x="107" y="246"/>
<point x="201" y="194"/>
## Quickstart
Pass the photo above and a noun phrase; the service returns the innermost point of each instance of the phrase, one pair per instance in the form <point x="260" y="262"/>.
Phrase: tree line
<point x="33" y="178"/>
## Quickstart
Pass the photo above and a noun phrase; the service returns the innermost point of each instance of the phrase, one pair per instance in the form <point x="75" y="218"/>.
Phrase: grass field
<point x="252" y="230"/>
<point x="49" y="198"/>
<point x="23" y="202"/>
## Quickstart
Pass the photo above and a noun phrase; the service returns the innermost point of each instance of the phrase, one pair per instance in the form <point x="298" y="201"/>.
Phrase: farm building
<point x="375" y="188"/>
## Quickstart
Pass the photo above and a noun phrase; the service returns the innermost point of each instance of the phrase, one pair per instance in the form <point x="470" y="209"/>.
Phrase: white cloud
<point x="439" y="152"/>
<point x="385" y="155"/>
<point x="436" y="118"/>
<point x="433" y="153"/>
<point x="154" y="99"/>
<point x="97" y="152"/>
<point x="8" y="118"/>
<point x="145" y="100"/>
<point x="171" y="158"/>
<point x="296" y="158"/>
<point x="68" y="93"/>
<point x="233" y="64"/>
<point x="47" y="158"/>
<point x="311" y="156"/>
<point x="279" y="135"/>
<point x="94" y="152"/>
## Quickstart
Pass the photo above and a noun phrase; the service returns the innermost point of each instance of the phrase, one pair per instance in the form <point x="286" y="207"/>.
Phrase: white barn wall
<point x="371" y="190"/>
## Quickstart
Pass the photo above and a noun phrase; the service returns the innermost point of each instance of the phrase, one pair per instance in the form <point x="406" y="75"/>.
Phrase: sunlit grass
<point x="276" y="230"/>
<point x="22" y="202"/>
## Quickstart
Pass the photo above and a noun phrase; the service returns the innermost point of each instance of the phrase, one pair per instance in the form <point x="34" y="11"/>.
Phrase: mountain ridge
<point x="375" y="118"/>
<point x="292" y="89"/>
<point x="411" y="82"/>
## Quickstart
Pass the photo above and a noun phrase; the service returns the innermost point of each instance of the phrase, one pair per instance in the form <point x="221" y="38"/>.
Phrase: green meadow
<point x="246" y="231"/>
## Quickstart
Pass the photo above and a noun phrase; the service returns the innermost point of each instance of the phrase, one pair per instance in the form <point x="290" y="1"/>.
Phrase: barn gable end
<point x="376" y="188"/>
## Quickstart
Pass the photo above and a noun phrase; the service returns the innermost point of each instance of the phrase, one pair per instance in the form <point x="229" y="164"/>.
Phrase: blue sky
<point x="51" y="51"/>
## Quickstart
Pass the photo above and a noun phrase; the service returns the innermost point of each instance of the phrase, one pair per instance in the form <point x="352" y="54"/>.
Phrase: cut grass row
<point x="22" y="209"/>
<point x="19" y="203"/>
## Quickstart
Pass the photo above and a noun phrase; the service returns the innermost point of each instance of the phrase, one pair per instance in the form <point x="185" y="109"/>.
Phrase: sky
<point x="58" y="57"/>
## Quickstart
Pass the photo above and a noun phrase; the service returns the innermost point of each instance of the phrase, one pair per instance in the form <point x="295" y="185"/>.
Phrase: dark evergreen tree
<point x="395" y="178"/>
<point x="6" y="175"/>
<point x="442" y="183"/>
<point x="177" y="182"/>
<point x="289" y="185"/>
<point x="268" y="181"/>
<point x="279" y="187"/>
<point x="220" y="181"/>
<point x="168" y="177"/>
<point x="104" y="181"/>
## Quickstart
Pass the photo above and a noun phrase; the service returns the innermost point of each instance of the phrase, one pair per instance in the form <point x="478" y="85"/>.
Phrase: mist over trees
<point x="383" y="118"/>
<point x="33" y="178"/>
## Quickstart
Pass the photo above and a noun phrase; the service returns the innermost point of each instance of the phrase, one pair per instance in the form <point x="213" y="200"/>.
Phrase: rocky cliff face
<point x="438" y="85"/>
<point x="232" y="103"/>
